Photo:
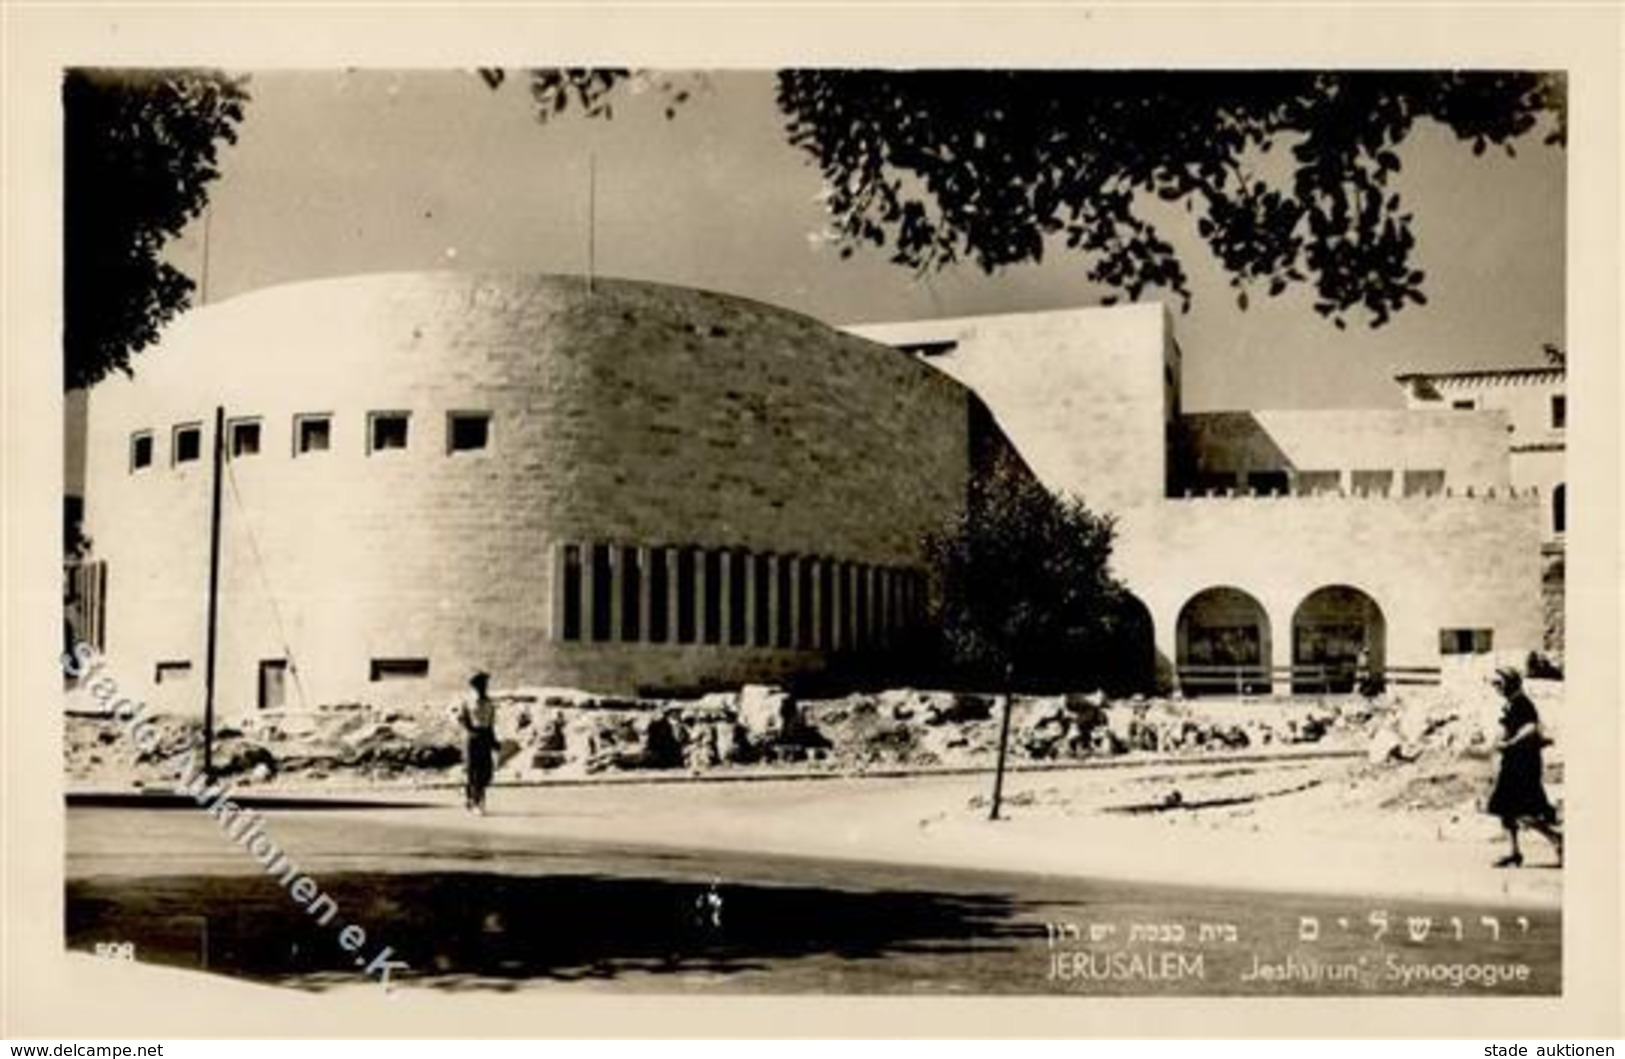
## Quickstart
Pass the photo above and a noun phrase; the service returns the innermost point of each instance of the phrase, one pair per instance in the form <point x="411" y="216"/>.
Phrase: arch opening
<point x="1339" y="636"/>
<point x="1223" y="644"/>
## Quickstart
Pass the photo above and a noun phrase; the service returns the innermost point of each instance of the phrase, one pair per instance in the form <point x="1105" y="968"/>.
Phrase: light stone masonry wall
<point x="641" y="415"/>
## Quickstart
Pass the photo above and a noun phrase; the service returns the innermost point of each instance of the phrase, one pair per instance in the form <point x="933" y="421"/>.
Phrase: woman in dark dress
<point x="1518" y="796"/>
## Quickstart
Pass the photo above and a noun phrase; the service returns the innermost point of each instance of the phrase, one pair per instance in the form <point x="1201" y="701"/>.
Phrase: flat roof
<point x="1482" y="373"/>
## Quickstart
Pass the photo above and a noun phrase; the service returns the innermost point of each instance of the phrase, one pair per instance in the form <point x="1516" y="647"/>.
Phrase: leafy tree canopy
<point x="1022" y="592"/>
<point x="998" y="167"/>
<point x="139" y="151"/>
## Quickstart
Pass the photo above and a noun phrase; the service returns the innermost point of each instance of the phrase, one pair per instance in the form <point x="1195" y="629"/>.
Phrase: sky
<point x="340" y="172"/>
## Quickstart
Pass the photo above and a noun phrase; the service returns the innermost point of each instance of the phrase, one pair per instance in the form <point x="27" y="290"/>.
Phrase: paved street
<point x="471" y="905"/>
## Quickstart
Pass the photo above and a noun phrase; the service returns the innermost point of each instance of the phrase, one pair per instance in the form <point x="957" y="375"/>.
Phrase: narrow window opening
<point x="398" y="669"/>
<point x="312" y="434"/>
<point x="467" y="431"/>
<point x="783" y="570"/>
<point x="188" y="443"/>
<point x="659" y="596"/>
<point x="602" y="585"/>
<point x="686" y="579"/>
<point x="386" y="431"/>
<point x="712" y="631"/>
<point x="631" y="595"/>
<point x="140" y="450"/>
<point x="244" y="438"/>
<point x="572" y="593"/>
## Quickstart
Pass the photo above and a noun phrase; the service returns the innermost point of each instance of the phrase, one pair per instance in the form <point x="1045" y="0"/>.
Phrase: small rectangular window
<point x="1317" y="483"/>
<point x="398" y="669"/>
<point x="172" y="673"/>
<point x="312" y="433"/>
<point x="1466" y="641"/>
<point x="1372" y="483"/>
<point x="140" y="450"/>
<point x="273" y="690"/>
<point x="467" y="431"/>
<point x="1424" y="483"/>
<point x="1560" y="411"/>
<point x="188" y="442"/>
<point x="1464" y="406"/>
<point x="386" y="431"/>
<point x="245" y="437"/>
<point x="1267" y="483"/>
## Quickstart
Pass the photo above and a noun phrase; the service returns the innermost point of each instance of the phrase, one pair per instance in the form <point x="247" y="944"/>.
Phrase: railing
<point x="1256" y="679"/>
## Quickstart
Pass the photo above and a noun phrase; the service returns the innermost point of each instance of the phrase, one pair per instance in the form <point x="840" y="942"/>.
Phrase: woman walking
<point x="1519" y="796"/>
<point x="478" y="716"/>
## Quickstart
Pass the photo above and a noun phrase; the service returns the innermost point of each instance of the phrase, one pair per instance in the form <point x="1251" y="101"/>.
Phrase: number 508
<point x="116" y="950"/>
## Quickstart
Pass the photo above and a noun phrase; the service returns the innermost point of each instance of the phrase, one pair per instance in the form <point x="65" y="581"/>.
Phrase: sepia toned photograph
<point x="578" y="529"/>
<point x="818" y="531"/>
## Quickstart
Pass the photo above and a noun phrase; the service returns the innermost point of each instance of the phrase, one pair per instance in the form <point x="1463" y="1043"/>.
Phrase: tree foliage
<point x="1289" y="176"/>
<point x="1022" y="591"/>
<point x="139" y="152"/>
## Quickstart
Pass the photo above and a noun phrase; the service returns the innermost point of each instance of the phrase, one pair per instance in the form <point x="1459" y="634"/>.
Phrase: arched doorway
<point x="1337" y="631"/>
<point x="1133" y="665"/>
<point x="1223" y="644"/>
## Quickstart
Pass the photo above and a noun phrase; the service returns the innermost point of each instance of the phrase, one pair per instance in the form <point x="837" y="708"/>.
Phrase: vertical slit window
<point x="738" y="599"/>
<point x="602" y="585"/>
<point x="631" y="593"/>
<point x="804" y="602"/>
<point x="711" y="631"/>
<point x="860" y="624"/>
<point x="659" y="596"/>
<point x="572" y="593"/>
<point x="685" y="595"/>
<point x="826" y="601"/>
<point x="783" y="570"/>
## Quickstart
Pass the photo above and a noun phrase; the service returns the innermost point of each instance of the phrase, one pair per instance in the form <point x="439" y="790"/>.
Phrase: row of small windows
<point x="685" y="595"/>
<point x="1425" y="482"/>
<point x="312" y="434"/>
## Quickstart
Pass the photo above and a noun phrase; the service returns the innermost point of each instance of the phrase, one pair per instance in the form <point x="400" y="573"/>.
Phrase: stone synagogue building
<point x="646" y="488"/>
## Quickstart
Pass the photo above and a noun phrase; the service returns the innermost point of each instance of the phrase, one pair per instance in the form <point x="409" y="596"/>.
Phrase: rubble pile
<point x="1412" y="742"/>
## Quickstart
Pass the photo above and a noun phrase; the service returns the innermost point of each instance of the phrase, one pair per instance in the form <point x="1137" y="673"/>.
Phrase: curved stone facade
<point x="553" y="439"/>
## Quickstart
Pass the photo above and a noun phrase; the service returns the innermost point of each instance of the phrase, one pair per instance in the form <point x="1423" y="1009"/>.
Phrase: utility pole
<point x="214" y="596"/>
<point x="1006" y="700"/>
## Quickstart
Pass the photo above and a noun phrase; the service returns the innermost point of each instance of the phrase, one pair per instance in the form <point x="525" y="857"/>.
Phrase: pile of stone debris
<point x="545" y="732"/>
